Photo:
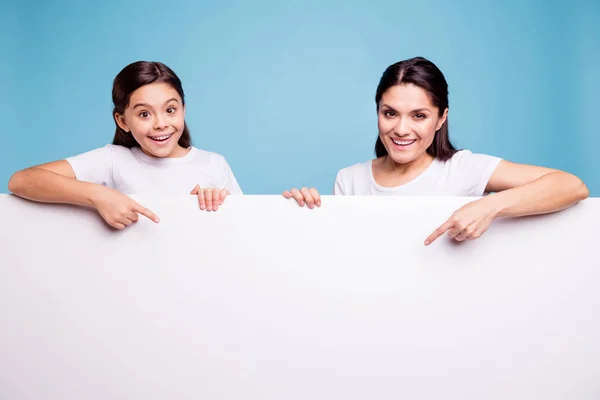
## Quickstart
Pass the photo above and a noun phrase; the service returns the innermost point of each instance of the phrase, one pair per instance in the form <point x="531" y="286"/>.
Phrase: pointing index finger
<point x="147" y="213"/>
<point x="438" y="232"/>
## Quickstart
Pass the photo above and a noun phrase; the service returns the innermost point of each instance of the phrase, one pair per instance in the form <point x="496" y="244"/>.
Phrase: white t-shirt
<point x="131" y="171"/>
<point x="465" y="174"/>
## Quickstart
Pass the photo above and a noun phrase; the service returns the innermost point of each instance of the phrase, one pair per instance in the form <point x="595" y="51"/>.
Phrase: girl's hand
<point x="468" y="222"/>
<point x="210" y="199"/>
<point x="309" y="196"/>
<point x="119" y="210"/>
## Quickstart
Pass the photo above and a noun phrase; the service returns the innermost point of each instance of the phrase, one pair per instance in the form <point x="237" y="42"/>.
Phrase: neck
<point x="178" y="152"/>
<point x="418" y="164"/>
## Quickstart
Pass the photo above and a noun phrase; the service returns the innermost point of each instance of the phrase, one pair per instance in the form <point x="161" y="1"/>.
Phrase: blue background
<point x="284" y="90"/>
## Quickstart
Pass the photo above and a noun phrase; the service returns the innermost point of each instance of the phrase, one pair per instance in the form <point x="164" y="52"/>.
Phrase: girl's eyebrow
<point x="146" y="105"/>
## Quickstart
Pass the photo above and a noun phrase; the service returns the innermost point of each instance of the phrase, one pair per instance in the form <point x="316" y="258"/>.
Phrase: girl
<point x="415" y="157"/>
<point x="151" y="152"/>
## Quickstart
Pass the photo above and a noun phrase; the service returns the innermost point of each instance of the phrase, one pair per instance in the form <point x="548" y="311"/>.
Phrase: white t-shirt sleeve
<point x="226" y="179"/>
<point x="338" y="187"/>
<point x="95" y="166"/>
<point x="475" y="171"/>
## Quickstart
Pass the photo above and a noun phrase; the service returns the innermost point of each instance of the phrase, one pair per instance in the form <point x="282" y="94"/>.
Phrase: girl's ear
<point x="121" y="122"/>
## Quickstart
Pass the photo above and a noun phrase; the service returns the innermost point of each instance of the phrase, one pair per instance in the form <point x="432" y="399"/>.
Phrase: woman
<point x="415" y="157"/>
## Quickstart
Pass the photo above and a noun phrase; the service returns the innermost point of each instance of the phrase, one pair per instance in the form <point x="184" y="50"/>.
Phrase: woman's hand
<point x="468" y="222"/>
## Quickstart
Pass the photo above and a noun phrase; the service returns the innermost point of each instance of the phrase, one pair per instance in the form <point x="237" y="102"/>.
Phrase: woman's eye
<point x="420" y="116"/>
<point x="389" y="113"/>
<point x="144" y="114"/>
<point x="171" y="110"/>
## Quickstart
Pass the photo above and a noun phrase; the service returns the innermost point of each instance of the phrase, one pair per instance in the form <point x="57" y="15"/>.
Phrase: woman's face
<point x="407" y="122"/>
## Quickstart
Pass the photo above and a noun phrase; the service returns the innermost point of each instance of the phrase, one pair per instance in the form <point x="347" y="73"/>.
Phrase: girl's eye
<point x="144" y="114"/>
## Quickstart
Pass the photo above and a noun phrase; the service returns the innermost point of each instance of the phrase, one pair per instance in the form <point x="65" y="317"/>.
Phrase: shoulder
<point x="208" y="155"/>
<point x="471" y="171"/>
<point x="466" y="159"/>
<point x="117" y="151"/>
<point x="214" y="163"/>
<point x="460" y="156"/>
<point x="96" y="155"/>
<point x="95" y="165"/>
<point x="352" y="179"/>
<point x="355" y="171"/>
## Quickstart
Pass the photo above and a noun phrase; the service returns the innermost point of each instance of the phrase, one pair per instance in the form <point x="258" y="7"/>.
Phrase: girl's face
<point x="407" y="122"/>
<point x="155" y="117"/>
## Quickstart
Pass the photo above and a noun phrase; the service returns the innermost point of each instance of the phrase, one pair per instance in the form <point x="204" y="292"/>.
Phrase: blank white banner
<point x="266" y="300"/>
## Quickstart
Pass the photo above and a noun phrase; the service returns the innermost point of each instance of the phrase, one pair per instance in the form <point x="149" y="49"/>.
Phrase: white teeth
<point x="403" y="142"/>
<point x="160" y="138"/>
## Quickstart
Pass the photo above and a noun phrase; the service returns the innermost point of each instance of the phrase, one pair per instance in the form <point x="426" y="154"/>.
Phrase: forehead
<point x="407" y="96"/>
<point x="153" y="94"/>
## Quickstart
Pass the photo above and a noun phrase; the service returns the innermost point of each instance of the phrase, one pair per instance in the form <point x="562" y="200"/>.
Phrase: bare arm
<point x="519" y="190"/>
<point x="53" y="182"/>
<point x="528" y="190"/>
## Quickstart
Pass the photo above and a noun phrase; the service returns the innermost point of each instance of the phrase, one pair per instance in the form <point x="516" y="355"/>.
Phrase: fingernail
<point x="427" y="242"/>
<point x="318" y="204"/>
<point x="301" y="204"/>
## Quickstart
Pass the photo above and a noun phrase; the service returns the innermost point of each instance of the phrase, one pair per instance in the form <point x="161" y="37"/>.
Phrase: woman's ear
<point x="120" y="120"/>
<point x="442" y="120"/>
